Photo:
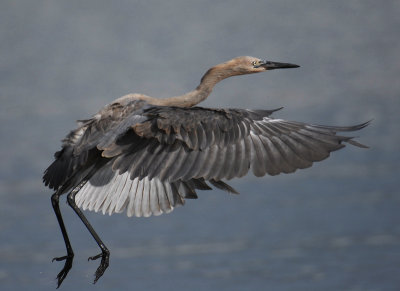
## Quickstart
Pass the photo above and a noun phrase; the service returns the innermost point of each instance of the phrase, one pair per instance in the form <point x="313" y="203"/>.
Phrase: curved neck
<point x="207" y="83"/>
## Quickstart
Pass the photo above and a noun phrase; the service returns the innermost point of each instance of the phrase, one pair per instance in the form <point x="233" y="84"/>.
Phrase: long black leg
<point x="105" y="253"/>
<point x="55" y="198"/>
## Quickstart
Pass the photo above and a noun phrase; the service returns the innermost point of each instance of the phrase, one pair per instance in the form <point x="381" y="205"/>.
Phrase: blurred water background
<point x="334" y="226"/>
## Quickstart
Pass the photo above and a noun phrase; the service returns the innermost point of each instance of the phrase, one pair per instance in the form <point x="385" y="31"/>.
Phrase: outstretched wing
<point x="187" y="143"/>
<point x="150" y="158"/>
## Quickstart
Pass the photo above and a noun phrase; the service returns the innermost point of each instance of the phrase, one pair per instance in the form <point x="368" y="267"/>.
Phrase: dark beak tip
<point x="276" y="65"/>
<point x="286" y="66"/>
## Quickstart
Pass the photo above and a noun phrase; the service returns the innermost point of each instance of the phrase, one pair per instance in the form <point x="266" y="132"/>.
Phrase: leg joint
<point x="55" y="198"/>
<point x="71" y="199"/>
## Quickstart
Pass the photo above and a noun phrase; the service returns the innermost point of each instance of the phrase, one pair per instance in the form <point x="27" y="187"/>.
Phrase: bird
<point x="145" y="156"/>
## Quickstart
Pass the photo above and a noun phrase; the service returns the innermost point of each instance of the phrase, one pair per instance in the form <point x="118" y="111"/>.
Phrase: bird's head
<point x="249" y="65"/>
<point x="238" y="66"/>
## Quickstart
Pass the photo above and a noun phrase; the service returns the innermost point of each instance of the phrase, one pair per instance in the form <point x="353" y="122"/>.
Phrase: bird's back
<point x="80" y="148"/>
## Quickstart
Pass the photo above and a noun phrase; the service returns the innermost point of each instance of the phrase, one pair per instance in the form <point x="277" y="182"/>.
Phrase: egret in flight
<point x="143" y="156"/>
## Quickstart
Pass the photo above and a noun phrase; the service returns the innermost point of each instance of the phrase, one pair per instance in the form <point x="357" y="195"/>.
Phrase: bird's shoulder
<point x="114" y="116"/>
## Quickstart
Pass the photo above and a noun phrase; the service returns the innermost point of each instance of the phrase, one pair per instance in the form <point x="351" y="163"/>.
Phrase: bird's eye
<point x="256" y="64"/>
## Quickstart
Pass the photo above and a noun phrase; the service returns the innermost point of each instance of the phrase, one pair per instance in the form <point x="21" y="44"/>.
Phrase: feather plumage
<point x="151" y="155"/>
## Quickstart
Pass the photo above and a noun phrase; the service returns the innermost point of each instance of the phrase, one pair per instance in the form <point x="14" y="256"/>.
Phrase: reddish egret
<point x="145" y="155"/>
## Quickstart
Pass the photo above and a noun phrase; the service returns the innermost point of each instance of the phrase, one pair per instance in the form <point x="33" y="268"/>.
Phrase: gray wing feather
<point x="197" y="164"/>
<point x="146" y="198"/>
<point x="274" y="161"/>
<point x="139" y="198"/>
<point x="155" y="156"/>
<point x="162" y="160"/>
<point x="165" y="206"/>
<point x="114" y="185"/>
<point x="238" y="167"/>
<point x="210" y="154"/>
<point x="188" y="163"/>
<point x="173" y="171"/>
<point x="260" y="155"/>
<point x="174" y="159"/>
<point x="223" y="144"/>
<point x="130" y="202"/>
<point x="153" y="198"/>
<point x="226" y="165"/>
<point x="120" y="195"/>
<point x="217" y="162"/>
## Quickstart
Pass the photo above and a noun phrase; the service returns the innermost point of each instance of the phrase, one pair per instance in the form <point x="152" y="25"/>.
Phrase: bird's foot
<point x="105" y="256"/>
<point x="67" y="266"/>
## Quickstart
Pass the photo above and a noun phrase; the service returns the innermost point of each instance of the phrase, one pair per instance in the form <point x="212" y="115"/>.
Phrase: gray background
<point x="332" y="227"/>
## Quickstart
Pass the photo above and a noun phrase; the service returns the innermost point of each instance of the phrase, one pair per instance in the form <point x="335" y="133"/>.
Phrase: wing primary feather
<point x="274" y="166"/>
<point x="239" y="168"/>
<point x="165" y="206"/>
<point x="233" y="170"/>
<point x="111" y="193"/>
<point x="137" y="167"/>
<point x="248" y="153"/>
<point x="357" y="144"/>
<point x="120" y="203"/>
<point x="107" y="180"/>
<point x="284" y="163"/>
<point x="139" y="199"/>
<point x="192" y="155"/>
<point x="302" y="152"/>
<point x="200" y="184"/>
<point x="343" y="128"/>
<point x="292" y="159"/>
<point x="170" y="194"/>
<point x="146" y="198"/>
<point x="132" y="198"/>
<point x="318" y="152"/>
<point x="178" y="199"/>
<point x="237" y="155"/>
<point x="212" y="153"/>
<point x="175" y="168"/>
<point x="258" y="162"/>
<point x="186" y="190"/>
<point x="116" y="196"/>
<point x="152" y="158"/>
<point x="218" y="163"/>
<point x="158" y="162"/>
<point x="227" y="162"/>
<point x="154" y="202"/>
<point x="172" y="164"/>
<point x="223" y="186"/>
<point x="197" y="164"/>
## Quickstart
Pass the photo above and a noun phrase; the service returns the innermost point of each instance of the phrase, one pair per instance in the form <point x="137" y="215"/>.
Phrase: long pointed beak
<point x="275" y="65"/>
